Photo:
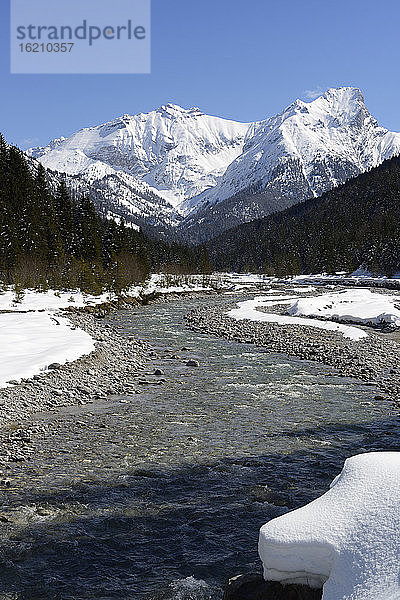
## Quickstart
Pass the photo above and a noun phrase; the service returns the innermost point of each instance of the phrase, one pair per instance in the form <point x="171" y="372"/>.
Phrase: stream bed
<point x="159" y="495"/>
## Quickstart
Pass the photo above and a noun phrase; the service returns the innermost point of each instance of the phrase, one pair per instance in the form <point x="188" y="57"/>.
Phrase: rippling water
<point x="160" y="495"/>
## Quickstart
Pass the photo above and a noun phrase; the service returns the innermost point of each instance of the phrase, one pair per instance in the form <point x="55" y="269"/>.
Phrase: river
<point x="160" y="494"/>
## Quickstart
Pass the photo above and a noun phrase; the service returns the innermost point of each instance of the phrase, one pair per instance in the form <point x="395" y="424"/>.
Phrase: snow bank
<point x="30" y="342"/>
<point x="348" y="540"/>
<point x="54" y="300"/>
<point x="51" y="300"/>
<point x="248" y="310"/>
<point x="356" y="305"/>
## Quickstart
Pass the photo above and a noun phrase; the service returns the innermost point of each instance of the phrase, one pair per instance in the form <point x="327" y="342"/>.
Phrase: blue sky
<point x="240" y="60"/>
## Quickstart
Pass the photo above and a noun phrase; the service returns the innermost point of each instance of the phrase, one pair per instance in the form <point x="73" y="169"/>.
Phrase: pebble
<point x="192" y="363"/>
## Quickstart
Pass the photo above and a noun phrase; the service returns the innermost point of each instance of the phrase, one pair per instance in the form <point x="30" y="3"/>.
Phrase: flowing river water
<point x="159" y="495"/>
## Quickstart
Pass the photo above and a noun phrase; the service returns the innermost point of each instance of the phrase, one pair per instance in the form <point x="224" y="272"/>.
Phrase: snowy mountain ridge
<point x="176" y="152"/>
<point x="201" y="174"/>
<point x="330" y="139"/>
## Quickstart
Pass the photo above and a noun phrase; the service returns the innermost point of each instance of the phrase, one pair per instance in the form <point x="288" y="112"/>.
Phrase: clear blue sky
<point x="240" y="60"/>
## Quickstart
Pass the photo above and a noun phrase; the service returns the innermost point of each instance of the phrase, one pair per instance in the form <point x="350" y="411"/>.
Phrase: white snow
<point x="30" y="342"/>
<point x="249" y="310"/>
<point x="171" y="161"/>
<point x="357" y="305"/>
<point x="50" y="300"/>
<point x="348" y="539"/>
<point x="33" y="335"/>
<point x="304" y="289"/>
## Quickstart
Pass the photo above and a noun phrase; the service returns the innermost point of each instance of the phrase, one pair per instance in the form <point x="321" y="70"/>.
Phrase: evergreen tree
<point x="49" y="238"/>
<point x="357" y="223"/>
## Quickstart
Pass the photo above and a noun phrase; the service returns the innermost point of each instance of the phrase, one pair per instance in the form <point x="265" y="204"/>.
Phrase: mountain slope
<point x="305" y="150"/>
<point x="169" y="154"/>
<point x="192" y="175"/>
<point x="357" y="223"/>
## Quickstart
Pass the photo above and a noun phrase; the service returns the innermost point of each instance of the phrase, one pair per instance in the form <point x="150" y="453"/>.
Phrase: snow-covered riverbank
<point x="356" y="306"/>
<point x="252" y="310"/>
<point x="31" y="342"/>
<point x="34" y="333"/>
<point x="359" y="306"/>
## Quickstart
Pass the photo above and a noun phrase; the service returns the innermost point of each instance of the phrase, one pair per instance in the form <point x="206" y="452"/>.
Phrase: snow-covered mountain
<point x="324" y="141"/>
<point x="202" y="174"/>
<point x="170" y="154"/>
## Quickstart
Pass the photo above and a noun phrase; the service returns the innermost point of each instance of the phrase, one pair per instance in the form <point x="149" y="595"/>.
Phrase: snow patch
<point x="357" y="306"/>
<point x="248" y="310"/>
<point x="30" y="342"/>
<point x="50" y="300"/>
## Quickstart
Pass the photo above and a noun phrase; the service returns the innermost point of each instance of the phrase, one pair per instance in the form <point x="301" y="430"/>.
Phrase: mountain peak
<point x="335" y="101"/>
<point x="339" y="102"/>
<point x="174" y="110"/>
<point x="344" y="94"/>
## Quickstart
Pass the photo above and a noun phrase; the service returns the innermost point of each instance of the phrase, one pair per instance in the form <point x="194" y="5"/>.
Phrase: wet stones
<point x="192" y="363"/>
<point x="371" y="360"/>
<point x="106" y="371"/>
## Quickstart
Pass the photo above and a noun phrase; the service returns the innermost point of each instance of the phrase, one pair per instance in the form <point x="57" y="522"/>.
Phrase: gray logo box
<point x="80" y="36"/>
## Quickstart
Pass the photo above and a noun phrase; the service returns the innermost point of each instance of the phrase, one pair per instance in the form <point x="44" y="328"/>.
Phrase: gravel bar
<point x="374" y="359"/>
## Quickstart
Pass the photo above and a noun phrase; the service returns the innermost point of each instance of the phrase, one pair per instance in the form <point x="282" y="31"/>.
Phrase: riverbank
<point x="112" y="368"/>
<point x="373" y="359"/>
<point x="117" y="366"/>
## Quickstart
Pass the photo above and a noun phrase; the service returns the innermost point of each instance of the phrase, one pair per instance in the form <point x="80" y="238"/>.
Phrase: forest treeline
<point x="356" y="224"/>
<point x="49" y="238"/>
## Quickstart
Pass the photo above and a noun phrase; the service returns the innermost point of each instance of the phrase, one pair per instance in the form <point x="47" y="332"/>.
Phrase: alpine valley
<point x="185" y="175"/>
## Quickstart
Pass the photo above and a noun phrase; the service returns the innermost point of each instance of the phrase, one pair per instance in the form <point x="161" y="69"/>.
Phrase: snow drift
<point x="348" y="540"/>
<point x="357" y="306"/>
<point x="30" y="342"/>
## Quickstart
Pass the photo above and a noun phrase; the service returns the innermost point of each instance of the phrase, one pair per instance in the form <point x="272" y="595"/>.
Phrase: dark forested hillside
<point x="49" y="238"/>
<point x="355" y="224"/>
